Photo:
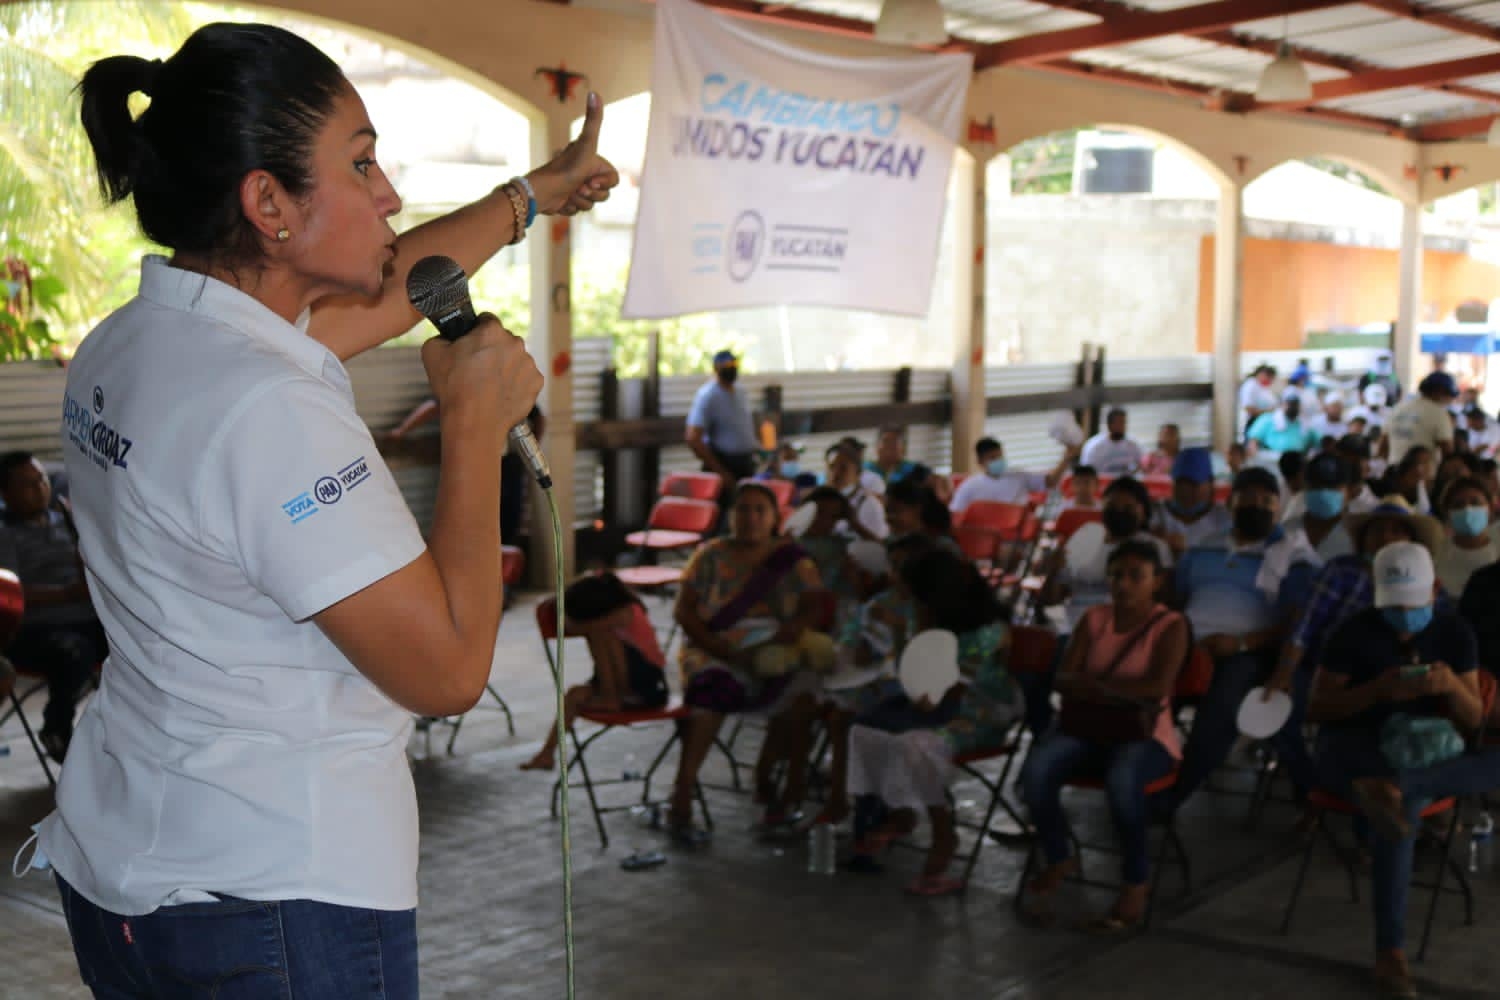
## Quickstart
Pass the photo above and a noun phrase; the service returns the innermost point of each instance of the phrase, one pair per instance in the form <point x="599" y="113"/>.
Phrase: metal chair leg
<point x="510" y="721"/>
<point x="1307" y="853"/>
<point x="36" y="747"/>
<point x="1447" y="863"/>
<point x="995" y="789"/>
<point x="588" y="785"/>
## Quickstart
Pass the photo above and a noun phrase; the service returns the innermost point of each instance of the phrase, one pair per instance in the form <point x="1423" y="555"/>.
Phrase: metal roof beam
<point x="1436" y="18"/>
<point x="1130" y="26"/>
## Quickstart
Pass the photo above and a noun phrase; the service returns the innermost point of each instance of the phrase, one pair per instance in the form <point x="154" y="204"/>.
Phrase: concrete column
<point x="1229" y="243"/>
<point x="1405" y="344"/>
<point x="969" y="308"/>
<point x="552" y="345"/>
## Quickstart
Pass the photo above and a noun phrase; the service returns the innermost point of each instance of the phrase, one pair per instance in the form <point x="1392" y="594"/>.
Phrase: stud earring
<point x="283" y="235"/>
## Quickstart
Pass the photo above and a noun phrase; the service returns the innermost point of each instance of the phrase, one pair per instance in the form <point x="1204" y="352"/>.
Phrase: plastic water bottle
<point x="1480" y="838"/>
<point x="821" y="857"/>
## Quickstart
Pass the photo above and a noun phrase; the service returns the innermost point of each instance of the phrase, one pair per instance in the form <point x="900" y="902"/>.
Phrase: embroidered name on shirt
<point x="103" y="445"/>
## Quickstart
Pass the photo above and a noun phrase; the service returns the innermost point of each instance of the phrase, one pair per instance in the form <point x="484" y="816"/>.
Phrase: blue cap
<point x="1438" y="383"/>
<point x="725" y="358"/>
<point x="1196" y="465"/>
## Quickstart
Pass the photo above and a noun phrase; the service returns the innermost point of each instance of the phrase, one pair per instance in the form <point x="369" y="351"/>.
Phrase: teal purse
<point x="1413" y="742"/>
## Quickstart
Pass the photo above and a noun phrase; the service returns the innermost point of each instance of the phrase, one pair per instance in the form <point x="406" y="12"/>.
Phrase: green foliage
<point x="50" y="213"/>
<point x="1044" y="165"/>
<point x="26" y="301"/>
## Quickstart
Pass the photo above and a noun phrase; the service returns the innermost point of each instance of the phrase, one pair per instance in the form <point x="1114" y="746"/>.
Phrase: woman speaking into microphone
<point x="237" y="818"/>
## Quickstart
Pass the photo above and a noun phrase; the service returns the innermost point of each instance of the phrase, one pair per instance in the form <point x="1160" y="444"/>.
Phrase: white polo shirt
<point x="225" y="491"/>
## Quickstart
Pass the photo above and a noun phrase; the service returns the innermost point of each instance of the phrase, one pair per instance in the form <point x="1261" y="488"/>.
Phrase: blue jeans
<point x="1290" y="743"/>
<point x="238" y="949"/>
<point x="1127" y="768"/>
<point x="1347" y="753"/>
<point x="1215" y="724"/>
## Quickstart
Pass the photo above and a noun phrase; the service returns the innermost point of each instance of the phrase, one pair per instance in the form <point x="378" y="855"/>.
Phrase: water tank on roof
<point x="1105" y="163"/>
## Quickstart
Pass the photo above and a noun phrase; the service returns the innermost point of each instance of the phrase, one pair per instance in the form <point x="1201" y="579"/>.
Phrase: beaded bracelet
<point x="518" y="208"/>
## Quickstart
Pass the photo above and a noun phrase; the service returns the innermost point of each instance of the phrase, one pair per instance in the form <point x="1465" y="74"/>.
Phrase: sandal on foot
<point x="935" y="885"/>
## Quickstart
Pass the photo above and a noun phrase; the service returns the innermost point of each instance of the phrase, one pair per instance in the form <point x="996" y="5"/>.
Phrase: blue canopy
<point x="1461" y="338"/>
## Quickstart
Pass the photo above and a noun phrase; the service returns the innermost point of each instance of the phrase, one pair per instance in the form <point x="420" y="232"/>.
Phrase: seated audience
<point x="1080" y="584"/>
<point x="890" y="462"/>
<point x="1190" y="515"/>
<point x="1116" y="682"/>
<point x="911" y="509"/>
<point x="1356" y="450"/>
<point x="869" y="481"/>
<point x="1341" y="589"/>
<point x="1233" y="619"/>
<point x="628" y="661"/>
<point x="1290" y="464"/>
<point x="861" y="515"/>
<point x="1111" y="451"/>
<point x="1330" y="486"/>
<point x="997" y="482"/>
<point x="1235" y="457"/>
<point x="1283" y="430"/>
<point x="908" y="771"/>
<point x="1168" y="444"/>
<point x="749" y="609"/>
<point x="60" y="636"/>
<point x="1330" y="423"/>
<point x="1469" y="544"/>
<point x="1409" y="479"/>
<point x="1385" y="672"/>
<point x="1085" y="490"/>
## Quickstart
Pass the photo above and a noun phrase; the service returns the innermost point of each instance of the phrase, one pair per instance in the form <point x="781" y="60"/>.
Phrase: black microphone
<point x="439" y="290"/>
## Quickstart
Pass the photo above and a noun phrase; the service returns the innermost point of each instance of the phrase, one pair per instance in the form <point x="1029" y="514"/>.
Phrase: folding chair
<point x="1326" y="803"/>
<point x="674" y="712"/>
<point x="692" y="485"/>
<point x="1070" y="520"/>
<point x="12" y="611"/>
<point x="1032" y="651"/>
<point x="675" y="523"/>
<point x="1189" y="681"/>
<point x="1158" y="487"/>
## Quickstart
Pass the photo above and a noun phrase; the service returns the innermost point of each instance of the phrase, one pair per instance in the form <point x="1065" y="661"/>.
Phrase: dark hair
<point x="952" y="590"/>
<point x="1487" y="466"/>
<point x="985" y="444"/>
<point x="1173" y="426"/>
<point x="906" y="493"/>
<point x="820" y="493"/>
<point x="910" y="545"/>
<point x="1085" y="470"/>
<point x="234" y="98"/>
<point x="596" y="595"/>
<point x="1136" y="548"/>
<point x="1291" y="464"/>
<point x="10" y="462"/>
<point x="1116" y="411"/>
<point x="1464" y="483"/>
<point x="1413" y="455"/>
<point x="1132" y="488"/>
<point x="895" y="429"/>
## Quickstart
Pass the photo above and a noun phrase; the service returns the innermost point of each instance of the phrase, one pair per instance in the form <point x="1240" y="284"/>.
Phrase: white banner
<point x="776" y="175"/>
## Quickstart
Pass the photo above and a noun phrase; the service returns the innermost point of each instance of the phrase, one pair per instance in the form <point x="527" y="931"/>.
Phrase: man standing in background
<point x="719" y="427"/>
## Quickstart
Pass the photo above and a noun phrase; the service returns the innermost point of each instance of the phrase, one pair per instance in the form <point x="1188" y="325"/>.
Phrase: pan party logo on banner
<point x="823" y="188"/>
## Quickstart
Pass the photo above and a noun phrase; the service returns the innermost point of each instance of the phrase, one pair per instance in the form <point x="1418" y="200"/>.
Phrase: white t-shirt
<point x="868" y="511"/>
<point x="1324" y="426"/>
<point x="1455" y="565"/>
<point x="1013" y="487"/>
<point x="1110" y="457"/>
<point x="1261" y="397"/>
<point x="225" y="491"/>
<point x="1415" y="421"/>
<point x="1214" y="524"/>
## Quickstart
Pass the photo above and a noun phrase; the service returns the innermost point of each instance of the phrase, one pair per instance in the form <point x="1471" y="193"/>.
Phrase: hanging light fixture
<point x="1494" y="137"/>
<point x="1285" y="78"/>
<point x="911" y="22"/>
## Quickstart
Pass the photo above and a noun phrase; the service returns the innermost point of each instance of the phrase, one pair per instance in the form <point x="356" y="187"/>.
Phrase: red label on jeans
<point x="129" y="937"/>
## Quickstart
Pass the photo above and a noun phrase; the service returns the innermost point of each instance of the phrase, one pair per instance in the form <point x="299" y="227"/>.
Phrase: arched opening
<point x="1100" y="236"/>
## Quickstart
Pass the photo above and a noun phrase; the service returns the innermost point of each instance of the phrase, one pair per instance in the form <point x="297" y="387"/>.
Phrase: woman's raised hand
<point x="577" y="178"/>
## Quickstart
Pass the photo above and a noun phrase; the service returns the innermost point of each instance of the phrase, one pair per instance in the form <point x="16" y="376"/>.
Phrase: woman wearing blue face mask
<point x="1388" y="675"/>
<point x="1331" y="482"/>
<point x="1469" y="546"/>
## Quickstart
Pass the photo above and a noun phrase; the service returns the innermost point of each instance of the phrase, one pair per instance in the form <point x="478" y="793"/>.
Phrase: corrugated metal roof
<point x="1349" y="32"/>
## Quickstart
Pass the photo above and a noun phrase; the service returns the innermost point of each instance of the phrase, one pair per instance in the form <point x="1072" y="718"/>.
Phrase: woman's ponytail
<point x="114" y="135"/>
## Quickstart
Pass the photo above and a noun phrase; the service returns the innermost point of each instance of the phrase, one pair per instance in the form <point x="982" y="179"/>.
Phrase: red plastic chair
<point x="693" y="485"/>
<point x="1160" y="487"/>
<point x="674" y="711"/>
<point x="1066" y="485"/>
<point x="1074" y="518"/>
<point x="1012" y="521"/>
<point x="676" y="523"/>
<point x="785" y="492"/>
<point x="512" y="565"/>
<point x="12" y="611"/>
<point x="1032" y="651"/>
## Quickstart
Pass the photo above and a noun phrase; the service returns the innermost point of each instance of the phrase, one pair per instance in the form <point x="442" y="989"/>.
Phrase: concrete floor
<point x="743" y="920"/>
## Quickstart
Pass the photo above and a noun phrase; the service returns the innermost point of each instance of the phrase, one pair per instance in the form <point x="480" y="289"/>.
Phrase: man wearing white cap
<point x="1397" y="693"/>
